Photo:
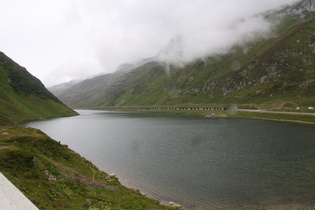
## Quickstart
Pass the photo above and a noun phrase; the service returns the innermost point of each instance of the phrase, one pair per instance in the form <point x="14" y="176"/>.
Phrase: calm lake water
<point x="200" y="163"/>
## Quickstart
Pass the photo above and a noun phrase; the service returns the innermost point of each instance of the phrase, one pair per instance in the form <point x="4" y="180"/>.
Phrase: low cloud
<point x="65" y="39"/>
<point x="217" y="39"/>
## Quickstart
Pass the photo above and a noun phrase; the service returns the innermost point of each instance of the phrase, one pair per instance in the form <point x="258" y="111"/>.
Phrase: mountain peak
<point x="173" y="51"/>
<point x="308" y="5"/>
<point x="299" y="8"/>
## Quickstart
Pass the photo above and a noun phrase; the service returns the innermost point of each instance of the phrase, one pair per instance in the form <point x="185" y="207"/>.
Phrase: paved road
<point x="275" y="112"/>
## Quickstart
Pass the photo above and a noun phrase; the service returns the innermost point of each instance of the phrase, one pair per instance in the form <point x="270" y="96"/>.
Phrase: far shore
<point x="223" y="112"/>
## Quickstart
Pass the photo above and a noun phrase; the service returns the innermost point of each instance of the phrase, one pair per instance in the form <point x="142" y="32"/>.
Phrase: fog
<point x="63" y="40"/>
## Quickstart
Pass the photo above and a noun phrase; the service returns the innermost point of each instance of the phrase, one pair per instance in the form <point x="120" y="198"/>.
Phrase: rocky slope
<point x="269" y="71"/>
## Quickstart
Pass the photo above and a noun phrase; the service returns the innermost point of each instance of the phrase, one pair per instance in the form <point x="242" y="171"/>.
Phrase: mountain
<point x="270" y="72"/>
<point x="24" y="97"/>
<point x="60" y="88"/>
<point x="301" y="7"/>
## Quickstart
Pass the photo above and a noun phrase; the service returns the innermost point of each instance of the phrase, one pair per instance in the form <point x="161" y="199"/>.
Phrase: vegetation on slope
<point x="268" y="72"/>
<point x="276" y="70"/>
<point x="54" y="177"/>
<point x="24" y="97"/>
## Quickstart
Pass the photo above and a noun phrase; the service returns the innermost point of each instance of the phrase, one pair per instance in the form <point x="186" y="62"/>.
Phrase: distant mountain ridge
<point x="24" y="97"/>
<point x="269" y="71"/>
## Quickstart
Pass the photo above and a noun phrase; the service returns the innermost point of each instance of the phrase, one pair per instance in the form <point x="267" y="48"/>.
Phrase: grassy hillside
<point x="269" y="72"/>
<point x="24" y="97"/>
<point x="55" y="177"/>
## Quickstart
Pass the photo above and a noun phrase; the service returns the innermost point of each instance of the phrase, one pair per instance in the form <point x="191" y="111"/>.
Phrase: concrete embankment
<point x="11" y="198"/>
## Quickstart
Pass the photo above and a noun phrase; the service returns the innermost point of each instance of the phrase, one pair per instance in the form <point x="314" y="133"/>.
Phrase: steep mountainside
<point x="24" y="97"/>
<point x="270" y="72"/>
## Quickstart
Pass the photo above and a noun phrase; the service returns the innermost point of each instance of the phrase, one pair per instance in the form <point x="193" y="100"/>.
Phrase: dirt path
<point x="93" y="174"/>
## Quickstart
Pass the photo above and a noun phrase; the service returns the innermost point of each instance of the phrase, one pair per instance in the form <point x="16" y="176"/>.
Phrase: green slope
<point x="269" y="72"/>
<point x="60" y="178"/>
<point x="24" y="97"/>
<point x="276" y="70"/>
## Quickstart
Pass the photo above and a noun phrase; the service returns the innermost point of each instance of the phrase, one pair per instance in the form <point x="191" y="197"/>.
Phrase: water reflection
<point x="200" y="163"/>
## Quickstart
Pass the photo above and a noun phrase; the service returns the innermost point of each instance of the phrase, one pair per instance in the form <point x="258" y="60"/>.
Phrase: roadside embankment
<point x="308" y="118"/>
<point x="231" y="112"/>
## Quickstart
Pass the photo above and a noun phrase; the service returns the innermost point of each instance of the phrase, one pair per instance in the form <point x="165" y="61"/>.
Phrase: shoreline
<point x="277" y="120"/>
<point x="309" y="118"/>
<point x="73" y="176"/>
<point x="128" y="183"/>
<point x="265" y="115"/>
<point x="124" y="181"/>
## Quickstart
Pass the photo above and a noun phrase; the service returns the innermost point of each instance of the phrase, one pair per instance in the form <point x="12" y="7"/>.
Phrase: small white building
<point x="311" y="108"/>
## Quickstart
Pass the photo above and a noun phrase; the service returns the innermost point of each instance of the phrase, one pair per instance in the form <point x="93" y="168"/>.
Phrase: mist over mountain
<point x="79" y="39"/>
<point x="271" y="68"/>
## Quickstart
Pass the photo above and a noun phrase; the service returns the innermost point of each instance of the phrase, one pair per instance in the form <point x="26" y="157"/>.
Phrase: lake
<point x="199" y="163"/>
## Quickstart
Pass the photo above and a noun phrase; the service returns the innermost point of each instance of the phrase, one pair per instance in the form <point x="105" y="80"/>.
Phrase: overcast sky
<point x="63" y="40"/>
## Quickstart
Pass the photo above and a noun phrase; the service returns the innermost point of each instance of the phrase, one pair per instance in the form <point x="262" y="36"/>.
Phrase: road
<point x="275" y="112"/>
